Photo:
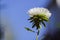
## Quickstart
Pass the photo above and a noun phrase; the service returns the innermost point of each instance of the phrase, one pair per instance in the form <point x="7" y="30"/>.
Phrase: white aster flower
<point x="39" y="11"/>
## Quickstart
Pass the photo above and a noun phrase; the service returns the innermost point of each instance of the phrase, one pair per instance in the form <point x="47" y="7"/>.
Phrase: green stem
<point x="36" y="37"/>
<point x="37" y="34"/>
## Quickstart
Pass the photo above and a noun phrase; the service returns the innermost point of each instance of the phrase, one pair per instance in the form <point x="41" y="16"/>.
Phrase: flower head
<point x="39" y="11"/>
<point x="38" y="16"/>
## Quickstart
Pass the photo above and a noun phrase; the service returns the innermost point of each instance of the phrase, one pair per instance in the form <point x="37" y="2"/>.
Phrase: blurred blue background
<point x="14" y="15"/>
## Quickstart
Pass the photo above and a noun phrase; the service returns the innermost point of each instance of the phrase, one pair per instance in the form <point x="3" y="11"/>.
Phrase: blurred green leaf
<point x="28" y="29"/>
<point x="30" y="18"/>
<point x="43" y="24"/>
<point x="33" y="25"/>
<point x="31" y="21"/>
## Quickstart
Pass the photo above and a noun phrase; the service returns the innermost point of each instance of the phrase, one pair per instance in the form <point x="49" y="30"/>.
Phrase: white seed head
<point x="38" y="11"/>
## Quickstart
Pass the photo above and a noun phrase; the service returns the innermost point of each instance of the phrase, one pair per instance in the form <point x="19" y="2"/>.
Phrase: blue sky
<point x="15" y="16"/>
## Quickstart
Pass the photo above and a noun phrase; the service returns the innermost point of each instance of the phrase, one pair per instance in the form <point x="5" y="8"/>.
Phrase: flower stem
<point x="37" y="34"/>
<point x="36" y="37"/>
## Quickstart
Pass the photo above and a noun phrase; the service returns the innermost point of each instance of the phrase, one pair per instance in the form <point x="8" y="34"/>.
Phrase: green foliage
<point x="28" y="29"/>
